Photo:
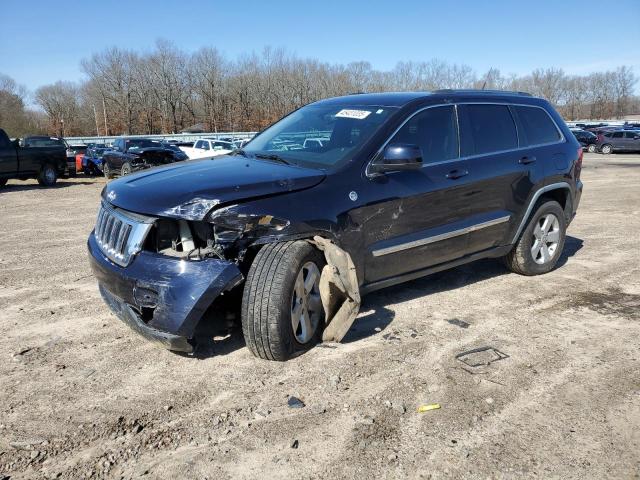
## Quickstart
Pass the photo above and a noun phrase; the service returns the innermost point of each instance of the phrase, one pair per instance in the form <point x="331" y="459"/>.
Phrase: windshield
<point x="141" y="143"/>
<point x="320" y="136"/>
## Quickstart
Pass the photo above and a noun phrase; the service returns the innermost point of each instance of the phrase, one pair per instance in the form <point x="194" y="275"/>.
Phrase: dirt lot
<point x="82" y="396"/>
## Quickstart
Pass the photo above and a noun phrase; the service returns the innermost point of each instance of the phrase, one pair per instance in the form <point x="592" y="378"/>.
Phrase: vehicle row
<point x="608" y="139"/>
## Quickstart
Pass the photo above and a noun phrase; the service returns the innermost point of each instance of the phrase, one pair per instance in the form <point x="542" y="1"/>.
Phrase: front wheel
<point x="48" y="176"/>
<point x="126" y="169"/>
<point x="606" y="149"/>
<point x="591" y="148"/>
<point x="539" y="247"/>
<point x="282" y="312"/>
<point x="106" y="169"/>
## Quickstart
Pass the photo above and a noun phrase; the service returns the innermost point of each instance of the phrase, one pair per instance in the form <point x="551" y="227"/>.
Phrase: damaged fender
<point x="339" y="290"/>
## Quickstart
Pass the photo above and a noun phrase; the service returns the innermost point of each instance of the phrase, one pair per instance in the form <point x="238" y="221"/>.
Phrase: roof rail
<point x="476" y="90"/>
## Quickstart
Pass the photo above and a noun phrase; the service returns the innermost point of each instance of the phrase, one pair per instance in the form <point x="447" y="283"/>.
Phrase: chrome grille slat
<point x="119" y="236"/>
<point x="115" y="231"/>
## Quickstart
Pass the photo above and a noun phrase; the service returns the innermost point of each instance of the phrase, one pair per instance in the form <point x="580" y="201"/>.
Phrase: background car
<point x="92" y="160"/>
<point x="588" y="140"/>
<point x="128" y="155"/>
<point x="619" y="141"/>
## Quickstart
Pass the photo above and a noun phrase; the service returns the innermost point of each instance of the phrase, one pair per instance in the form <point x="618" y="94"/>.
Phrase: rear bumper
<point x="162" y="298"/>
<point x="576" y="198"/>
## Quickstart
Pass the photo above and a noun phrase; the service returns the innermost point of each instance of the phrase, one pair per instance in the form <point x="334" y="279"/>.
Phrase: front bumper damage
<point x="160" y="297"/>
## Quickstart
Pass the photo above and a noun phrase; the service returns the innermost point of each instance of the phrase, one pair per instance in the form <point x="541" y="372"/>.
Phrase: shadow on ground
<point x="16" y="187"/>
<point x="215" y="337"/>
<point x="458" y="277"/>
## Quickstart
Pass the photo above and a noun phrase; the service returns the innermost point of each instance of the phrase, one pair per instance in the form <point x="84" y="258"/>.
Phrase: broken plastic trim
<point x="339" y="290"/>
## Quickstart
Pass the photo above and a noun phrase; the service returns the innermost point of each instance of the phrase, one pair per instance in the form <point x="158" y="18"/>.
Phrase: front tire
<point x="106" y="169"/>
<point x="48" y="175"/>
<point x="126" y="169"/>
<point x="282" y="313"/>
<point x="606" y="149"/>
<point x="539" y="247"/>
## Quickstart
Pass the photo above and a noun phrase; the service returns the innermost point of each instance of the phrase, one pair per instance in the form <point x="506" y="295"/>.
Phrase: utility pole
<point x="95" y="116"/>
<point x="104" y="110"/>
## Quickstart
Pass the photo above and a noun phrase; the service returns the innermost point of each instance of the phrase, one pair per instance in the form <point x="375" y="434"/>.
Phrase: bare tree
<point x="168" y="89"/>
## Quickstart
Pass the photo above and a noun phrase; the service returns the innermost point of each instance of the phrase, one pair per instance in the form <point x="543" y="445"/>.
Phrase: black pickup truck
<point x="44" y="161"/>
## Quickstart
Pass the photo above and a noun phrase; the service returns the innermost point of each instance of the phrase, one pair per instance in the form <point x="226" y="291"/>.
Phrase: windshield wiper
<point x="272" y="156"/>
<point x="239" y="151"/>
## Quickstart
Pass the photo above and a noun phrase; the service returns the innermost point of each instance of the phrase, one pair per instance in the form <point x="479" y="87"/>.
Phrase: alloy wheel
<point x="546" y="237"/>
<point x="306" y="305"/>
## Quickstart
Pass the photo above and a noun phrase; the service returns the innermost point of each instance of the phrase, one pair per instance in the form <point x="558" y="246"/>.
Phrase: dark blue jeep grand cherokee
<point x="339" y="198"/>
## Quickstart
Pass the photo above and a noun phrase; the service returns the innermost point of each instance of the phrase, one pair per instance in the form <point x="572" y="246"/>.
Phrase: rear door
<point x="632" y="140"/>
<point x="504" y="169"/>
<point x="419" y="217"/>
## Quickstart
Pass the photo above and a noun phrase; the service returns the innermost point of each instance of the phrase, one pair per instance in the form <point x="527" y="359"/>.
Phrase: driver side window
<point x="435" y="131"/>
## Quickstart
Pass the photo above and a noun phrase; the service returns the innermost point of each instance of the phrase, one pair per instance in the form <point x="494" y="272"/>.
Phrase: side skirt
<point x="388" y="282"/>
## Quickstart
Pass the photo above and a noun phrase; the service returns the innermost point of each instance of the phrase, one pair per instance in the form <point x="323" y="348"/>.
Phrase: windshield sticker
<point x="357" y="114"/>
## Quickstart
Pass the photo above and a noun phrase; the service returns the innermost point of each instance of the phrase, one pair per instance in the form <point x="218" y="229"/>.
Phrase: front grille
<point x="118" y="235"/>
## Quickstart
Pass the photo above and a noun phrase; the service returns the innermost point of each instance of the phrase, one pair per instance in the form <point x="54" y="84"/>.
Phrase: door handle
<point x="526" y="160"/>
<point x="455" y="174"/>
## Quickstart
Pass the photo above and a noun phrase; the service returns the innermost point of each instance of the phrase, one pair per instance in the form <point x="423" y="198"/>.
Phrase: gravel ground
<point x="82" y="396"/>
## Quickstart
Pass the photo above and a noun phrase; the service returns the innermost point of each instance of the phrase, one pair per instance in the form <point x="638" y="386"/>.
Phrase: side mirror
<point x="397" y="157"/>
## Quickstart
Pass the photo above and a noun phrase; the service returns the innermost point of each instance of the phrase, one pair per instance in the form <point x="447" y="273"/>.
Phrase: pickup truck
<point x="208" y="148"/>
<point x="33" y="159"/>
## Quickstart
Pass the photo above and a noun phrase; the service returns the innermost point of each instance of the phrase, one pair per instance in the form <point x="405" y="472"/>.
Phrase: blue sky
<point x="44" y="41"/>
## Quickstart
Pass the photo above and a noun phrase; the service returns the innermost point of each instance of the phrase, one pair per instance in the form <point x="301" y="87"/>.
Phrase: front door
<point x="417" y="218"/>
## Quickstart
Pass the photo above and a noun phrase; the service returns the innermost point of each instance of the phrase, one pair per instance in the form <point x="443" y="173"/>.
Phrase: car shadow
<point x="381" y="317"/>
<point x="215" y="336"/>
<point x="34" y="186"/>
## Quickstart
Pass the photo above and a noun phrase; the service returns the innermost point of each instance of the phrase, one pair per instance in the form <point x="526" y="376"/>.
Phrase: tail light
<point x="579" y="163"/>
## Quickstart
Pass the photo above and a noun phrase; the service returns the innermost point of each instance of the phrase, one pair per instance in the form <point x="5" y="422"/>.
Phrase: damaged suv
<point x="292" y="232"/>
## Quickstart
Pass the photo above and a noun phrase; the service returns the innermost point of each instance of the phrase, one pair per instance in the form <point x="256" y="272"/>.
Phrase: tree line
<point x="168" y="90"/>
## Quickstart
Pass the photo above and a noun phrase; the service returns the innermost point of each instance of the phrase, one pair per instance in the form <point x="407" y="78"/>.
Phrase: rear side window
<point x="538" y="128"/>
<point x="617" y="135"/>
<point x="435" y="131"/>
<point x="487" y="128"/>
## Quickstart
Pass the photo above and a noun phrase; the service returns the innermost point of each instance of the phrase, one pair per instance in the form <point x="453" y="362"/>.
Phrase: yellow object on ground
<point x="430" y="406"/>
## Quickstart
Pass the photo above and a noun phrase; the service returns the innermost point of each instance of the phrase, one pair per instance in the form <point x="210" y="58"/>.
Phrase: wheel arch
<point x="560" y="192"/>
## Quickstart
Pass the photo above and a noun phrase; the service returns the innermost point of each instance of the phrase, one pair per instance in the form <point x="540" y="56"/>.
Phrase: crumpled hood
<point x="176" y="189"/>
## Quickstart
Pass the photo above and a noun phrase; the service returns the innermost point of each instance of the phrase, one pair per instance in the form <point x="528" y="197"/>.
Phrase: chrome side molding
<point x="437" y="238"/>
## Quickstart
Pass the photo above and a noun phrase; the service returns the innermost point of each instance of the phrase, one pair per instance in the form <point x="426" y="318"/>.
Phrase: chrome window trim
<point x="563" y="139"/>
<point x="437" y="238"/>
<point x="534" y="199"/>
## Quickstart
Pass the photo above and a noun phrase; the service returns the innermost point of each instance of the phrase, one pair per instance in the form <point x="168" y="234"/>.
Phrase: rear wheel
<point x="48" y="175"/>
<point x="282" y="312"/>
<point x="591" y="148"/>
<point x="539" y="247"/>
<point x="126" y="169"/>
<point x="606" y="149"/>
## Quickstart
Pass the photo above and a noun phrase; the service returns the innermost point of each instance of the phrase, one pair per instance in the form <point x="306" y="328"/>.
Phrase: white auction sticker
<point x="357" y="114"/>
